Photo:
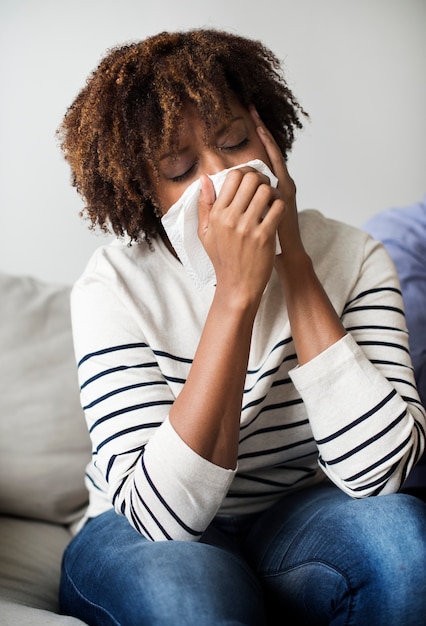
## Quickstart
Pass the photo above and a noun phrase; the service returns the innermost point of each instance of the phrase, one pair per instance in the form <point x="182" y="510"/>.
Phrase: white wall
<point x="357" y="66"/>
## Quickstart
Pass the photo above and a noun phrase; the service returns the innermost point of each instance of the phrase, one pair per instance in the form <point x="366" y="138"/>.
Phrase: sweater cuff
<point x="179" y="469"/>
<point x="338" y="377"/>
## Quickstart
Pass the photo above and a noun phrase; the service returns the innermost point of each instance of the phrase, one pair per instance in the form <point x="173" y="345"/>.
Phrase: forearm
<point x="314" y="323"/>
<point x="207" y="412"/>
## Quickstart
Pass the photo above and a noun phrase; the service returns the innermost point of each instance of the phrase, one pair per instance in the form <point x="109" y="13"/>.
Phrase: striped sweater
<point x="352" y="414"/>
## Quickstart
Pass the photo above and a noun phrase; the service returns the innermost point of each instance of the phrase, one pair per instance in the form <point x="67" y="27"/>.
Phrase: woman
<point x="251" y="430"/>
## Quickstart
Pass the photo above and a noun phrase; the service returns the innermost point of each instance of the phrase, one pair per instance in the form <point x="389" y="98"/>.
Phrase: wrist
<point x="296" y="267"/>
<point x="237" y="302"/>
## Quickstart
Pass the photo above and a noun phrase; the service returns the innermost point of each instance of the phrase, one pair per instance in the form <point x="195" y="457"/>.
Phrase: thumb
<point x="205" y="202"/>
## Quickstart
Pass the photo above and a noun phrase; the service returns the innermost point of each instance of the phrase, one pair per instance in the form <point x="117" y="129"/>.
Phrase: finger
<point x="279" y="167"/>
<point x="206" y="200"/>
<point x="261" y="202"/>
<point x="274" y="214"/>
<point x="274" y="153"/>
<point x="272" y="149"/>
<point x="239" y="187"/>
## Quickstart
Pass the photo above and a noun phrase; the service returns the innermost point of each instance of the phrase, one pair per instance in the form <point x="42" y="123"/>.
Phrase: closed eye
<point x="181" y="177"/>
<point x="237" y="146"/>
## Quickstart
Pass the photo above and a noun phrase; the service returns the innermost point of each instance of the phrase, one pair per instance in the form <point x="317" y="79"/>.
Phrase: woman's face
<point x="228" y="145"/>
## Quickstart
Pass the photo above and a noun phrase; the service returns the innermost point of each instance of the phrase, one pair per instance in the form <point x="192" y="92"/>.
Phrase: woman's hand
<point x="288" y="228"/>
<point x="238" y="230"/>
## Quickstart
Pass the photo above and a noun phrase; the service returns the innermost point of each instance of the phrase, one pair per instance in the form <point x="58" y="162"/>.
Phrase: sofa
<point x="44" y="448"/>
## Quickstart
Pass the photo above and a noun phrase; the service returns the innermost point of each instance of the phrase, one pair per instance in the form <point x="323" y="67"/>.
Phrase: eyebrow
<point x="221" y="131"/>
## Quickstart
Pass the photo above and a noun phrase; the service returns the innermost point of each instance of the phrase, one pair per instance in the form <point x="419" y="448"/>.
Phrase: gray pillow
<point x="44" y="444"/>
<point x="30" y="564"/>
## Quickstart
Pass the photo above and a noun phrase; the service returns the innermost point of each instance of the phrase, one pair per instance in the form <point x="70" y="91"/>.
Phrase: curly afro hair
<point x="131" y="107"/>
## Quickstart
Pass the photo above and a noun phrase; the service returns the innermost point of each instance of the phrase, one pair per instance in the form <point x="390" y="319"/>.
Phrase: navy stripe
<point x="119" y="489"/>
<point x="275" y="347"/>
<point x="114" y="392"/>
<point x="173" y="379"/>
<point x="359" y="420"/>
<point x="272" y="429"/>
<point x="125" y="346"/>
<point x="368" y="442"/>
<point x="368" y="292"/>
<point x="283" y="381"/>
<point x="405" y="382"/>
<point x="374" y="307"/>
<point x="393" y="363"/>
<point x="173" y="357"/>
<point x="138" y="522"/>
<point x="108" y="469"/>
<point x="189" y="530"/>
<point x="418" y="446"/>
<point x="265" y="451"/>
<point x="269" y="372"/>
<point x="387" y="344"/>
<point x="405" y="472"/>
<point x="119" y="368"/>
<point x="153" y="517"/>
<point x="91" y="480"/>
<point x="379" y="481"/>
<point x="271" y="407"/>
<point x="125" y="431"/>
<point x="128" y="409"/>
<point x="139" y="449"/>
<point x="376" y="327"/>
<point x="381" y="461"/>
<point x="410" y="400"/>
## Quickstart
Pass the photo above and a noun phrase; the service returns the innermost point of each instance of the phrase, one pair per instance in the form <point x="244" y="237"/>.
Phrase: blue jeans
<point x="317" y="557"/>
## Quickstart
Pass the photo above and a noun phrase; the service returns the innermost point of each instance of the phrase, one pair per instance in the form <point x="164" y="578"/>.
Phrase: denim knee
<point x="331" y="558"/>
<point x="138" y="582"/>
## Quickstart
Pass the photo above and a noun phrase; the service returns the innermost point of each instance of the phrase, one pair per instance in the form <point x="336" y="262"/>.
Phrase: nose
<point x="214" y="162"/>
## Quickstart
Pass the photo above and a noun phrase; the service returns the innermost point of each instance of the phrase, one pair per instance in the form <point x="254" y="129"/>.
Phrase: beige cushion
<point x="30" y="561"/>
<point x="44" y="445"/>
<point x="18" y="615"/>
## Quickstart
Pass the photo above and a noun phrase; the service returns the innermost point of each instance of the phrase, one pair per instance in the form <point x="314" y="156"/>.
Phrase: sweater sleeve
<point x="149" y="474"/>
<point x="360" y="393"/>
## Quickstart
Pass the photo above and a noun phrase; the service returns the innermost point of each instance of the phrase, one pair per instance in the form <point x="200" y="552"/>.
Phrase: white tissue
<point x="181" y="225"/>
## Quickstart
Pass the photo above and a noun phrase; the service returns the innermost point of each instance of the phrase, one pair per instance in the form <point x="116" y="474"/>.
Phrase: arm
<point x="361" y="399"/>
<point x="360" y="393"/>
<point x="140" y="465"/>
<point x="314" y="323"/>
<point x="242" y="248"/>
